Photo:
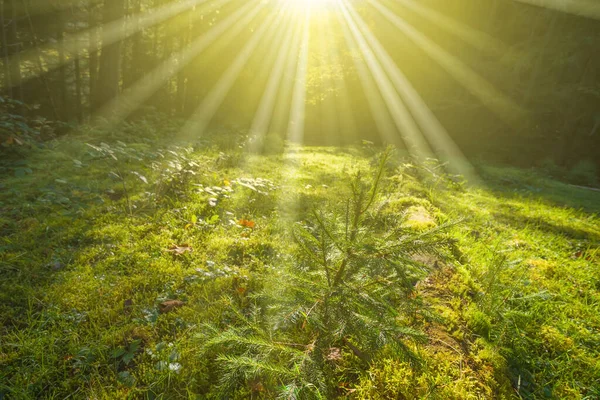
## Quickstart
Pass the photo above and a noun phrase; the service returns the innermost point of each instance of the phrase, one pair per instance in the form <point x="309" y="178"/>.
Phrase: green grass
<point x="91" y="247"/>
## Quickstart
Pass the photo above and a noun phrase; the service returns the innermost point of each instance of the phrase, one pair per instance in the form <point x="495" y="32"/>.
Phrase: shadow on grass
<point x="521" y="221"/>
<point x="519" y="183"/>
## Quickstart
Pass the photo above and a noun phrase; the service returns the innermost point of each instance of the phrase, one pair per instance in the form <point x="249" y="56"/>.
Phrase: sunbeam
<point x="411" y="136"/>
<point x="584" y="8"/>
<point x="198" y="122"/>
<point x="379" y="112"/>
<point x="120" y="107"/>
<point x="438" y="138"/>
<point x="479" y="40"/>
<point x="112" y="32"/>
<point x="495" y="100"/>
<point x="341" y="99"/>
<point x="295" y="132"/>
<point x="266" y="107"/>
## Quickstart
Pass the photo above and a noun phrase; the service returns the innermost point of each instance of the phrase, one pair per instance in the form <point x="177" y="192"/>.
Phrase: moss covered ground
<point x="116" y="250"/>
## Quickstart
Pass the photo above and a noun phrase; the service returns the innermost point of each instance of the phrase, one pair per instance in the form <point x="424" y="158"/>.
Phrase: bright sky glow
<point x="308" y="4"/>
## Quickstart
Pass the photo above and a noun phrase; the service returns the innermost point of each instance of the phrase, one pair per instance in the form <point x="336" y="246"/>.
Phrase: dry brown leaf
<point x="180" y="249"/>
<point x="247" y="223"/>
<point x="170" y="305"/>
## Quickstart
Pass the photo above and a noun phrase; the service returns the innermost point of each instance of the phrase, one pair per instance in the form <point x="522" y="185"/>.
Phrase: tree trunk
<point x="110" y="58"/>
<point x="62" y="70"/>
<point x="132" y="70"/>
<point x="78" y="84"/>
<point x="181" y="81"/>
<point x="78" y="88"/>
<point x="15" y="50"/>
<point x="40" y="63"/>
<point x="93" y="56"/>
<point x="538" y="64"/>
<point x="7" y="87"/>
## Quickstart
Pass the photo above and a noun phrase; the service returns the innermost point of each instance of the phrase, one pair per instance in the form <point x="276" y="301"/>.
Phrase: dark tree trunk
<point x="132" y="69"/>
<point x="14" y="51"/>
<point x="110" y="58"/>
<point x="7" y="86"/>
<point x="62" y="70"/>
<point x="93" y="56"/>
<point x="78" y="84"/>
<point x="78" y="88"/>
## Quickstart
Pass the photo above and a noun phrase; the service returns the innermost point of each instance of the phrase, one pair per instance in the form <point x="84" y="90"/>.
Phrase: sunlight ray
<point x="119" y="108"/>
<point x="295" y="132"/>
<point x="476" y="38"/>
<point x="288" y="207"/>
<point x="280" y="117"/>
<point x="582" y="8"/>
<point x="328" y="115"/>
<point x="496" y="101"/>
<point x="437" y="136"/>
<point x="111" y="33"/>
<point x="199" y="121"/>
<point x="379" y="111"/>
<point x="266" y="107"/>
<point x="342" y="105"/>
<point x="30" y="8"/>
<point x="411" y="135"/>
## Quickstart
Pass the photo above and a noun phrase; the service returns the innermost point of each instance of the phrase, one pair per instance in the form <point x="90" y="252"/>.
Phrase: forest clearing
<point x="299" y="199"/>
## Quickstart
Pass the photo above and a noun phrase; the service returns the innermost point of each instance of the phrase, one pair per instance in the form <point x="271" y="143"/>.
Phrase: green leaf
<point x="125" y="378"/>
<point x="118" y="352"/>
<point x="21" y="172"/>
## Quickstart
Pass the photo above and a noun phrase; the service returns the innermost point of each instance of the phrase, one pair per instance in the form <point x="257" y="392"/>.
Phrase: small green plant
<point x="125" y="354"/>
<point x="174" y="173"/>
<point x="320" y="322"/>
<point x="109" y="154"/>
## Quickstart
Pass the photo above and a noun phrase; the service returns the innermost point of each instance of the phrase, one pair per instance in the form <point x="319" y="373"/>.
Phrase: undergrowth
<point x="133" y="266"/>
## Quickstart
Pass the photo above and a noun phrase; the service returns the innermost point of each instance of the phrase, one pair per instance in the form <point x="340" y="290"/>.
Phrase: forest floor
<point x="114" y="255"/>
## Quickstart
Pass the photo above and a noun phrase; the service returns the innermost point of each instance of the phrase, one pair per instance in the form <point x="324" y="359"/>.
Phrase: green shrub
<point x="549" y="167"/>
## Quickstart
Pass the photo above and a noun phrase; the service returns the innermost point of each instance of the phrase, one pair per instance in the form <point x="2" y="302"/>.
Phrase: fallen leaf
<point x="170" y="305"/>
<point x="335" y="354"/>
<point x="179" y="250"/>
<point x="247" y="223"/>
<point x="257" y="387"/>
<point x="241" y="290"/>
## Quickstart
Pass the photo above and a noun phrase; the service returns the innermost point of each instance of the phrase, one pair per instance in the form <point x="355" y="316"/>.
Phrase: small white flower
<point x="175" y="367"/>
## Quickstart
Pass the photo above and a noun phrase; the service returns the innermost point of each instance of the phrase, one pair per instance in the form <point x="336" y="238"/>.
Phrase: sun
<point x="308" y="4"/>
